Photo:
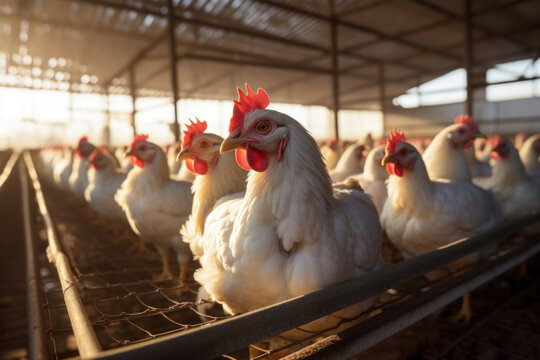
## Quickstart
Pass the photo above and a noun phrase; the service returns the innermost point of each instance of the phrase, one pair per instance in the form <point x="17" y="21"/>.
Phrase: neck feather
<point x="224" y="179"/>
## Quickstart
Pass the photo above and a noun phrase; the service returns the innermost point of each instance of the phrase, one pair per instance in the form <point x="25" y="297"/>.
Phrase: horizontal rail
<point x="361" y="337"/>
<point x="37" y="344"/>
<point x="249" y="328"/>
<point x="86" y="339"/>
<point x="9" y="166"/>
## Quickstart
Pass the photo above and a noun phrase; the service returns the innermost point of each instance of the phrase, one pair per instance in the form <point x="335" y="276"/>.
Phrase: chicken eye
<point x="203" y="145"/>
<point x="403" y="152"/>
<point x="263" y="127"/>
<point x="142" y="148"/>
<point x="461" y="131"/>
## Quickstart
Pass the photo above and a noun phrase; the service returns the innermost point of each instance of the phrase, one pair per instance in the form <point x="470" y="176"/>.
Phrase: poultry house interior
<point x="173" y="186"/>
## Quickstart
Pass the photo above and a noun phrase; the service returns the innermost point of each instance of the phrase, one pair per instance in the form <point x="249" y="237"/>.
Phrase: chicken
<point x="219" y="177"/>
<point x="331" y="153"/>
<point x="518" y="192"/>
<point x="104" y="179"/>
<point x="78" y="180"/>
<point x="351" y="162"/>
<point x="529" y="155"/>
<point x="444" y="157"/>
<point x="155" y="205"/>
<point x="422" y="215"/>
<point x="477" y="168"/>
<point x="373" y="179"/>
<point x="62" y="169"/>
<point x="292" y="233"/>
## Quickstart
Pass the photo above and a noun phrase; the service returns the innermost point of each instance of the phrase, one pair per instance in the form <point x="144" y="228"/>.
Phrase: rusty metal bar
<point x="133" y="93"/>
<point x="37" y="343"/>
<point x="468" y="56"/>
<point x="86" y="339"/>
<point x="173" y="63"/>
<point x="361" y="337"/>
<point x="275" y="319"/>
<point x="9" y="166"/>
<point x="335" y="68"/>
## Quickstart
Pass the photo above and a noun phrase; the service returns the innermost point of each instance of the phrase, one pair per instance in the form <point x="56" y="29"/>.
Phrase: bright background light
<point x="35" y="118"/>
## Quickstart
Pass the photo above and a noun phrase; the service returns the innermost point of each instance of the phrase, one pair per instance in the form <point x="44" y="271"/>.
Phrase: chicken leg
<point x="465" y="312"/>
<point x="166" y="273"/>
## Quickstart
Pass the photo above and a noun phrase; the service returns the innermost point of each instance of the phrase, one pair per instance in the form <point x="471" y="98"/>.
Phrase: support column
<point x="382" y="95"/>
<point x="174" y="75"/>
<point x="106" y="135"/>
<point x="132" y="89"/>
<point x="335" y="70"/>
<point x="468" y="56"/>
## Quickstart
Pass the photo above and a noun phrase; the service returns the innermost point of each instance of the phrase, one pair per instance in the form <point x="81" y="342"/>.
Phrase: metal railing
<point x="85" y="336"/>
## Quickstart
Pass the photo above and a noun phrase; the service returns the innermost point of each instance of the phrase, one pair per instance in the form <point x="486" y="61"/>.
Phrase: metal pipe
<point x="37" y="343"/>
<point x="174" y="76"/>
<point x="335" y="69"/>
<point x="9" y="166"/>
<point x="86" y="338"/>
<point x="133" y="93"/>
<point x="278" y="318"/>
<point x="361" y="337"/>
<point x="468" y="56"/>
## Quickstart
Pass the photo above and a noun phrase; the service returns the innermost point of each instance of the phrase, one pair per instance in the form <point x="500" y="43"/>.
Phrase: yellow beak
<point x="183" y="155"/>
<point x="390" y="158"/>
<point x="479" y="135"/>
<point x="232" y="143"/>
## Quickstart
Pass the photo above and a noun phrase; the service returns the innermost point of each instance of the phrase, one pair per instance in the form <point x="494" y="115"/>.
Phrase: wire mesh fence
<point x="126" y="305"/>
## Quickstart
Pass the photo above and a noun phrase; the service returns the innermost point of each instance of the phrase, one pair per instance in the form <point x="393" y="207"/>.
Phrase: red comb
<point x="247" y="103"/>
<point x="136" y="139"/>
<point x="396" y="136"/>
<point x="83" y="139"/>
<point x="467" y="120"/>
<point x="195" y="128"/>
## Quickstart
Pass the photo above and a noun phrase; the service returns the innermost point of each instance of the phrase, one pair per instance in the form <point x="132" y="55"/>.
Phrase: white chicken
<point x="156" y="206"/>
<point x="373" y="179"/>
<point x="104" y="179"/>
<point x="421" y="214"/>
<point x="218" y="176"/>
<point x="518" y="192"/>
<point x="292" y="233"/>
<point x="351" y="162"/>
<point x="331" y="153"/>
<point x="78" y="180"/>
<point x="477" y="168"/>
<point x="444" y="157"/>
<point x="529" y="155"/>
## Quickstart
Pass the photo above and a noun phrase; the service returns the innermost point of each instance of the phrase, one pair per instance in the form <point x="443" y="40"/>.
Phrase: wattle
<point x="197" y="166"/>
<point x="136" y="161"/>
<point x="251" y="159"/>
<point x="394" y="169"/>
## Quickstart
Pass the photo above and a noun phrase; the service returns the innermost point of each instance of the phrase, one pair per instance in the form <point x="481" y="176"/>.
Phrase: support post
<point x="335" y="69"/>
<point x="106" y="135"/>
<point x="468" y="56"/>
<point x="174" y="76"/>
<point x="382" y="95"/>
<point x="132" y="90"/>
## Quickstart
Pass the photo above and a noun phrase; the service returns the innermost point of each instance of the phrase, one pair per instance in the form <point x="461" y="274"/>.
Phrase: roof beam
<point x="358" y="27"/>
<point x="460" y="18"/>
